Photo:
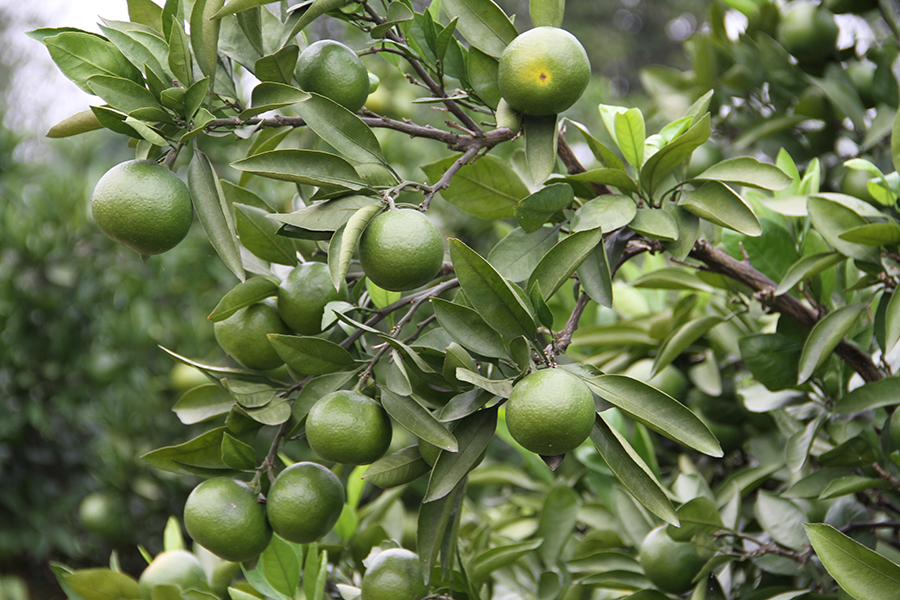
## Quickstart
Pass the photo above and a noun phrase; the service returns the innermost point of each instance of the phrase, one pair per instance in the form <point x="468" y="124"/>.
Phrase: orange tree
<point x="764" y="299"/>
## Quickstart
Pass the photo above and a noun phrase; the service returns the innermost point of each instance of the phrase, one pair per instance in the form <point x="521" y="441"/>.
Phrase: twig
<point x="561" y="343"/>
<point x="444" y="181"/>
<point x="573" y="166"/>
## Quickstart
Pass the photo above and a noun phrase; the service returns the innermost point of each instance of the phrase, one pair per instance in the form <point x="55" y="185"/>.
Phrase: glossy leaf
<point x="772" y="359"/>
<point x="81" y="55"/>
<point x="860" y="572"/>
<point x="782" y="519"/>
<point x="487" y="188"/>
<point x="658" y="167"/>
<point x="681" y="339"/>
<point x="719" y="204"/>
<point x="396" y="469"/>
<point x="236" y="454"/>
<point x="346" y="240"/>
<point x="518" y="253"/>
<point x="612" y="177"/>
<point x="699" y="514"/>
<point x="482" y="23"/>
<point x="560" y="263"/>
<point x="535" y="210"/>
<point x="250" y="394"/>
<point x="629" y="135"/>
<point x="201" y="455"/>
<point x="473" y="434"/>
<point x="873" y="234"/>
<point x="891" y="322"/>
<point x="124" y="94"/>
<point x="604" y="155"/>
<point x="205" y="35"/>
<point x="327" y="215"/>
<point x="309" y="167"/>
<point x="213" y="211"/>
<point x="488" y="561"/>
<point x="274" y="413"/>
<point x="300" y="19"/>
<point x="270" y="95"/>
<point x="806" y="268"/>
<point x="202" y="403"/>
<point x="853" y="484"/>
<point x="824" y="338"/>
<point x="437" y="528"/>
<point x="877" y="394"/>
<point x="180" y="61"/>
<point x="417" y="420"/>
<point x="310" y="355"/>
<point x="340" y="128"/>
<point x="468" y="328"/>
<point x="656" y="410"/>
<point x="746" y="170"/>
<point x="79" y="123"/>
<point x="631" y="470"/>
<point x="102" y="584"/>
<point x="259" y="235"/>
<point x="490" y="294"/>
<point x="831" y="219"/>
<point x="482" y="70"/>
<point x="541" y="138"/>
<point x="672" y="279"/>
<point x="278" y="67"/>
<point x="243" y="295"/>
<point x="609" y="212"/>
<point x="233" y="6"/>
<point x="497" y="387"/>
<point x="656" y="224"/>
<point x="595" y="278"/>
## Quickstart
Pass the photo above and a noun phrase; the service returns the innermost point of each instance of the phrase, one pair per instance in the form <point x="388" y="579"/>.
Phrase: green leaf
<point x="243" y="295"/>
<point x="437" y="529"/>
<point x="213" y="211"/>
<point x="772" y="359"/>
<point x="892" y="322"/>
<point x="853" y="484"/>
<point x="180" y="61"/>
<point x="861" y="572"/>
<point x="672" y="279"/>
<point x="681" y="339"/>
<point x="492" y="559"/>
<point x="694" y="516"/>
<point x="417" y="420"/>
<point x="345" y="242"/>
<point x="79" y="123"/>
<point x="656" y="410"/>
<point x="201" y="455"/>
<point x="630" y="133"/>
<point x="274" y="413"/>
<point x="559" y="515"/>
<point x="541" y="138"/>
<point x="594" y="276"/>
<point x="310" y="355"/>
<point x="328" y="215"/>
<point x="482" y="23"/>
<point x="535" y="210"/>
<point x="746" y="170"/>
<point x="398" y="12"/>
<point x="482" y="70"/>
<point x="81" y="55"/>
<point x="654" y="223"/>
<point x="497" y="387"/>
<point x="873" y="234"/>
<point x="143" y="46"/>
<point x="205" y="36"/>
<point x="558" y="265"/>
<point x="631" y="470"/>
<point x="270" y="95"/>
<point x="609" y="212"/>
<point x="658" y="167"/>
<point x="250" y="394"/>
<point x="806" y="268"/>
<point x="234" y="6"/>
<point x="396" y="469"/>
<point x="468" y="328"/>
<point x="782" y="519"/>
<point x="309" y="167"/>
<point x="547" y="13"/>
<point x="490" y="294"/>
<point x="719" y="204"/>
<point x="614" y="177"/>
<point x="102" y="584"/>
<point x="236" y="454"/>
<point x="824" y="338"/>
<point x="518" y="253"/>
<point x="604" y="155"/>
<point x="844" y="97"/>
<point x="202" y="403"/>
<point x="876" y="394"/>
<point x="340" y="128"/>
<point x="259" y="235"/>
<point x="487" y="188"/>
<point x="280" y="567"/>
<point x="300" y="19"/>
<point x="473" y="434"/>
<point x="831" y="219"/>
<point x="278" y="67"/>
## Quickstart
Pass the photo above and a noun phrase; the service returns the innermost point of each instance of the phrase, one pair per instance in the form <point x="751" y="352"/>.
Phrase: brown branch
<point x="564" y="337"/>
<point x="444" y="181"/>
<point x="716" y="261"/>
<point x="573" y="166"/>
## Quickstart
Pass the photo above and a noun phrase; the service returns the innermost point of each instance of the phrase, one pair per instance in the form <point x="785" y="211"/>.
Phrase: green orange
<point x="669" y="565"/>
<point x="103" y="514"/>
<point x="176" y="568"/>
<point x="550" y="412"/>
<point x="243" y="336"/>
<point x="543" y="71"/>
<point x="335" y="71"/>
<point x="401" y="250"/>
<point x="395" y="574"/>
<point x="349" y="428"/>
<point x="143" y="206"/>
<point x="304" y="502"/>
<point x="303" y="294"/>
<point x="225" y="516"/>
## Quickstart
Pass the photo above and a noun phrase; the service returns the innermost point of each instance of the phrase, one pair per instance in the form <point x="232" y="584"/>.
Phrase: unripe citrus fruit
<point x="243" y="336"/>
<point x="543" y="71"/>
<point x="102" y="514"/>
<point x="856" y="183"/>
<point x="395" y="574"/>
<point x="303" y="294"/>
<point x="225" y="517"/>
<point x="808" y="31"/>
<point x="304" y="502"/>
<point x="550" y="412"/>
<point x="349" y="428"/>
<point x="332" y="69"/>
<point x="401" y="250"/>
<point x="374" y="82"/>
<point x="669" y="565"/>
<point x="175" y="567"/>
<point x="143" y="206"/>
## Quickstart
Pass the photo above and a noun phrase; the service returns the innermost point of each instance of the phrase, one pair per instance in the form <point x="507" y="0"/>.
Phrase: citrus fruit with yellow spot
<point x="550" y="412"/>
<point x="335" y="71"/>
<point x="395" y="574"/>
<point x="349" y="428"/>
<point x="304" y="502"/>
<point x="225" y="516"/>
<point x="303" y="294"/>
<point x="669" y="565"/>
<point x="543" y="71"/>
<point x="175" y="568"/>
<point x="243" y="336"/>
<point x="401" y="250"/>
<point x="143" y="206"/>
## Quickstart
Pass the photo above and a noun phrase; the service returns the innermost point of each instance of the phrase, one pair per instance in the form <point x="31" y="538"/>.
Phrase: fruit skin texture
<point x="224" y="516"/>
<point x="175" y="567"/>
<point x="349" y="428"/>
<point x="809" y="32"/>
<point x="401" y="250"/>
<point x="395" y="574"/>
<point x="668" y="564"/>
<point x="102" y="514"/>
<point x="303" y="294"/>
<point x="550" y="412"/>
<point x="304" y="502"/>
<point x="243" y="336"/>
<point x="335" y="71"/>
<point x="143" y="206"/>
<point x="544" y="71"/>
